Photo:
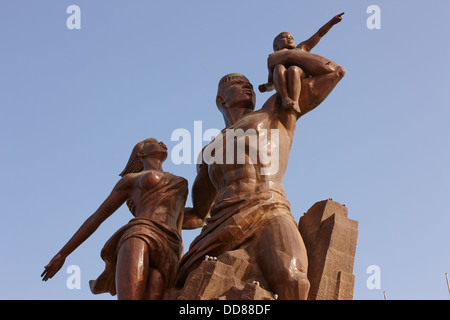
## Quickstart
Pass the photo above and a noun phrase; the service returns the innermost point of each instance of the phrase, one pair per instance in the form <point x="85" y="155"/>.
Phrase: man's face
<point x="238" y="93"/>
<point x="285" y="40"/>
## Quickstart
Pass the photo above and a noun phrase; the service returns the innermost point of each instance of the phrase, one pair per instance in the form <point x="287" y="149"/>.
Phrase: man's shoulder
<point x="271" y="106"/>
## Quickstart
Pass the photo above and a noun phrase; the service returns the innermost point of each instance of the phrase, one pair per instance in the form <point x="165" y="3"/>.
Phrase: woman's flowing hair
<point x="134" y="165"/>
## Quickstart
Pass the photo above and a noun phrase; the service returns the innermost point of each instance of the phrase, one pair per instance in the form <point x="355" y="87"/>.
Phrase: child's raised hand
<point x="262" y="87"/>
<point x="266" y="87"/>
<point x="338" y="18"/>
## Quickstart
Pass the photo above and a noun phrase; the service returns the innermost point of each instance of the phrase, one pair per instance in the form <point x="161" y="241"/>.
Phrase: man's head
<point x="284" y="40"/>
<point x="235" y="91"/>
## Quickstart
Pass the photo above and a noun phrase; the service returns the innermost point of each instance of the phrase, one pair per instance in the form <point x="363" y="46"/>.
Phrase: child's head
<point x="283" y="41"/>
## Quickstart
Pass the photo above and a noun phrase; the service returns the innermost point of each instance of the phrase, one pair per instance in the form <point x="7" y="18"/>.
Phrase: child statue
<point x="288" y="84"/>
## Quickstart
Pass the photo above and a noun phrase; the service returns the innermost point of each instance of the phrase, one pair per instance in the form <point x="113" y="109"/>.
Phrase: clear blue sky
<point x="73" y="103"/>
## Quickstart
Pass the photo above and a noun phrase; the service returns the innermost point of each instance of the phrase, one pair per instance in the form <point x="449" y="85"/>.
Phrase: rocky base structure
<point x="232" y="276"/>
<point x="330" y="239"/>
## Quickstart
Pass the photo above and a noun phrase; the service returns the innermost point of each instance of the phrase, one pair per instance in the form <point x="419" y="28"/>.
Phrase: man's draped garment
<point x="234" y="221"/>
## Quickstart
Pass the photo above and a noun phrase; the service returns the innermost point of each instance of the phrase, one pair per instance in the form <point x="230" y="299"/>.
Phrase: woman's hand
<point x="191" y="220"/>
<point x="53" y="267"/>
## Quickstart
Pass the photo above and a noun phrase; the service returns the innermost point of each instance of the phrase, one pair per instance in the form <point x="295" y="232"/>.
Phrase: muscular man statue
<point x="242" y="206"/>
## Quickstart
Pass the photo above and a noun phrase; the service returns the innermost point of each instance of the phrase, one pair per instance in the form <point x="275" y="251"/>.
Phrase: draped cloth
<point x="233" y="221"/>
<point x="164" y="247"/>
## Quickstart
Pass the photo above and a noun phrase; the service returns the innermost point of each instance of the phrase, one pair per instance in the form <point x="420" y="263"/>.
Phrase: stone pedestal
<point x="330" y="240"/>
<point x="233" y="276"/>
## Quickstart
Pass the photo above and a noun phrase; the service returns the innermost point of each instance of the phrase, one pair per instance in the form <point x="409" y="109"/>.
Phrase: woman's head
<point x="146" y="148"/>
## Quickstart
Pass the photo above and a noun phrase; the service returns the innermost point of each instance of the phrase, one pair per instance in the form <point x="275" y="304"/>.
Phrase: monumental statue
<point x="238" y="198"/>
<point x="244" y="202"/>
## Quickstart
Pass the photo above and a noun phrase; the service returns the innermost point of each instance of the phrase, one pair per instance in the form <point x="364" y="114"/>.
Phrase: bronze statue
<point x="242" y="207"/>
<point x="286" y="78"/>
<point x="142" y="257"/>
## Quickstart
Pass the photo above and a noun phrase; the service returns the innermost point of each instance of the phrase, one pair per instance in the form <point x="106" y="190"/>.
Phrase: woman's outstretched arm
<point x="118" y="196"/>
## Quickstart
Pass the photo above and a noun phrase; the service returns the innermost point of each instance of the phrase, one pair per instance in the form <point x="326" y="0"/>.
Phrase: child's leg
<point x="294" y="76"/>
<point x="280" y="81"/>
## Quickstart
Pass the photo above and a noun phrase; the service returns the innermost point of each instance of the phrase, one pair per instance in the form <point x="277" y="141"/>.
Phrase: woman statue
<point x="142" y="257"/>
